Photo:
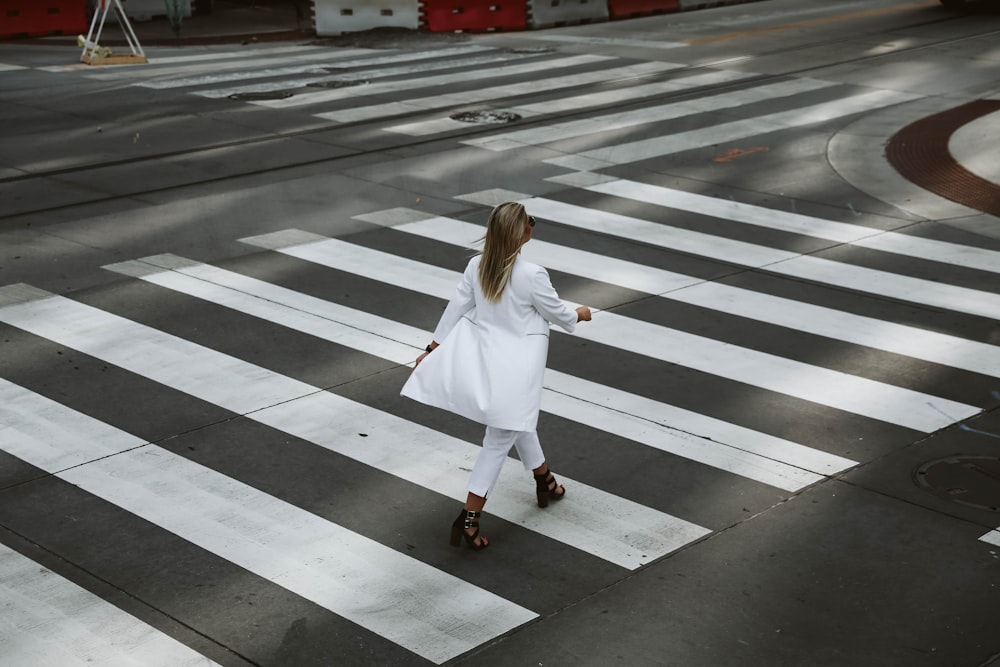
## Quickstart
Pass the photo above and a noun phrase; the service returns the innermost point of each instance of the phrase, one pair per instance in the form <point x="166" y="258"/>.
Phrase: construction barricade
<point x="38" y="18"/>
<point x="551" y="13"/>
<point x="626" y="9"/>
<point x="334" y="17"/>
<point x="473" y="15"/>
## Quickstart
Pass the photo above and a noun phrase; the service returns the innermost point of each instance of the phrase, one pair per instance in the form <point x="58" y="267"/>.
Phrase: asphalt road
<point x="778" y="435"/>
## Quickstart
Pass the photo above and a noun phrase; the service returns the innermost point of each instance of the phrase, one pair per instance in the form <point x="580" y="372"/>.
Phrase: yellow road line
<point x="811" y="23"/>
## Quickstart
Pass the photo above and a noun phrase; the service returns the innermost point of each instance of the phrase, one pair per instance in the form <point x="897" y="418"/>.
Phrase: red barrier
<point x="473" y="15"/>
<point x="626" y="9"/>
<point x="38" y="18"/>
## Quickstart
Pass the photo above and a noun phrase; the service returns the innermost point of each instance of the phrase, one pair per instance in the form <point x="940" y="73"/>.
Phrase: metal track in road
<point x="472" y="131"/>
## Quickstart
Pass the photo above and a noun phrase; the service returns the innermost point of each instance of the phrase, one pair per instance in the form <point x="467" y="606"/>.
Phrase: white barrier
<point x="334" y="17"/>
<point x="548" y="13"/>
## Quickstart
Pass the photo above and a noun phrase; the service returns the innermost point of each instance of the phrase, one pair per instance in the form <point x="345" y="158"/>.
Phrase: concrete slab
<point x="840" y="574"/>
<point x="897" y="474"/>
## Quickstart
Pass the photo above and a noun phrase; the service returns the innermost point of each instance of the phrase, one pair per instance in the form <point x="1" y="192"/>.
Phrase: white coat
<point x="490" y="360"/>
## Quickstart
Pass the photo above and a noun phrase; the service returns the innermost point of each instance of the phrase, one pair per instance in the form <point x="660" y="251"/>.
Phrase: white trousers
<point x="496" y="444"/>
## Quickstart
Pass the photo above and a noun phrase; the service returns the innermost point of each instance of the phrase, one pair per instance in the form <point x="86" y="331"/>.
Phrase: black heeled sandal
<point x="468" y="519"/>
<point x="546" y="488"/>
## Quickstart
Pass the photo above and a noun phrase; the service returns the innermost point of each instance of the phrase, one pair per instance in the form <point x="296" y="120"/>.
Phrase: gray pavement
<point x="868" y="568"/>
<point x="856" y="152"/>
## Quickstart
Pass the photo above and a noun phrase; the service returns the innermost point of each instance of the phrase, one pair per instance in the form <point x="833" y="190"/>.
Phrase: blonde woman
<point x="488" y="360"/>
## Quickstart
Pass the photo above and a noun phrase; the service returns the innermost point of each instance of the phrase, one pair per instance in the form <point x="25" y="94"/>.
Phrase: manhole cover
<point x="256" y="97"/>
<point x="337" y="84"/>
<point x="969" y="480"/>
<point x="493" y="117"/>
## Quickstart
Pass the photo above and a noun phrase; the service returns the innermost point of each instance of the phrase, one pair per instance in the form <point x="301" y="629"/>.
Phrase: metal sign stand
<point x="93" y="54"/>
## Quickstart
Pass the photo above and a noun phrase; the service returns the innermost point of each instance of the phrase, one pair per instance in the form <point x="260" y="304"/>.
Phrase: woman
<point x="490" y="361"/>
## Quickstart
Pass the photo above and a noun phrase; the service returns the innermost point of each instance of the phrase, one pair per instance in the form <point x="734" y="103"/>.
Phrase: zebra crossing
<point x="311" y="556"/>
<point x="802" y="419"/>
<point x="349" y="85"/>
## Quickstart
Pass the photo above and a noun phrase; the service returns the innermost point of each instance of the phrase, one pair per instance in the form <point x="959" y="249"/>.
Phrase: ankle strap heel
<point x="467" y="519"/>
<point x="547" y="488"/>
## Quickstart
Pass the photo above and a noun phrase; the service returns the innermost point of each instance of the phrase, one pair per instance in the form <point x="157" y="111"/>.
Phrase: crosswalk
<point x="709" y="373"/>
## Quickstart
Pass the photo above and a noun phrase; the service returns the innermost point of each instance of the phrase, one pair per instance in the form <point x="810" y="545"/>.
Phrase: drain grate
<point x="969" y="480"/>
<point x="257" y="97"/>
<point x="489" y="117"/>
<point x="531" y="50"/>
<point x="338" y="84"/>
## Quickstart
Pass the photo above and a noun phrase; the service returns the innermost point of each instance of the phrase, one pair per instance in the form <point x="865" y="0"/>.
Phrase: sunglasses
<point x="531" y="220"/>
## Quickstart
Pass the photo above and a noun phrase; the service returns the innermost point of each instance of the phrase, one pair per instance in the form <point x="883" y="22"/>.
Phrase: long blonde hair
<point x="504" y="238"/>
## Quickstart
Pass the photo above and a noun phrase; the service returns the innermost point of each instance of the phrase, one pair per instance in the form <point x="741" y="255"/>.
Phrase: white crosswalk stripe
<point x="509" y="90"/>
<point x="636" y="151"/>
<point x="400" y="598"/>
<point x="982" y="259"/>
<point x="578" y="102"/>
<point x="248" y="61"/>
<point x="909" y="341"/>
<point x="436" y="80"/>
<point x="609" y="527"/>
<point x="728" y="447"/>
<point x="503" y="141"/>
<point x="895" y="405"/>
<point x="784" y="262"/>
<point x="333" y="63"/>
<point x="47" y="620"/>
<point x="362" y="78"/>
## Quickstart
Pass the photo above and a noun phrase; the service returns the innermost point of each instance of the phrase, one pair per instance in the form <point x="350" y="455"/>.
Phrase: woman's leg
<point x="496" y="443"/>
<point x="529" y="449"/>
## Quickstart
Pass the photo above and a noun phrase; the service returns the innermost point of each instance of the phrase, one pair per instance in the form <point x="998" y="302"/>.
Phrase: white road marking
<point x="487" y="94"/>
<point x="879" y="334"/>
<point x="982" y="259"/>
<point x="807" y="267"/>
<point x="423" y="82"/>
<point x="754" y="455"/>
<point x="895" y="405"/>
<point x="636" y="151"/>
<point x="607" y="526"/>
<point x="48" y="620"/>
<point x="534" y="136"/>
<point x="400" y="598"/>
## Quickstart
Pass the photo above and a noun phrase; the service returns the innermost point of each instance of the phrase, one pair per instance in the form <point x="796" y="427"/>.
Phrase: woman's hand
<point x="430" y="348"/>
<point x="583" y="314"/>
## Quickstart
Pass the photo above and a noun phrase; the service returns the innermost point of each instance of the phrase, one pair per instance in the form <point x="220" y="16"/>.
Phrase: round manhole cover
<point x="969" y="480"/>
<point x="257" y="97"/>
<point x="492" y="117"/>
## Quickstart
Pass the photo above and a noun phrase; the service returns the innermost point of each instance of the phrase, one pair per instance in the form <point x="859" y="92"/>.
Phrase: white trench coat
<point x="490" y="360"/>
